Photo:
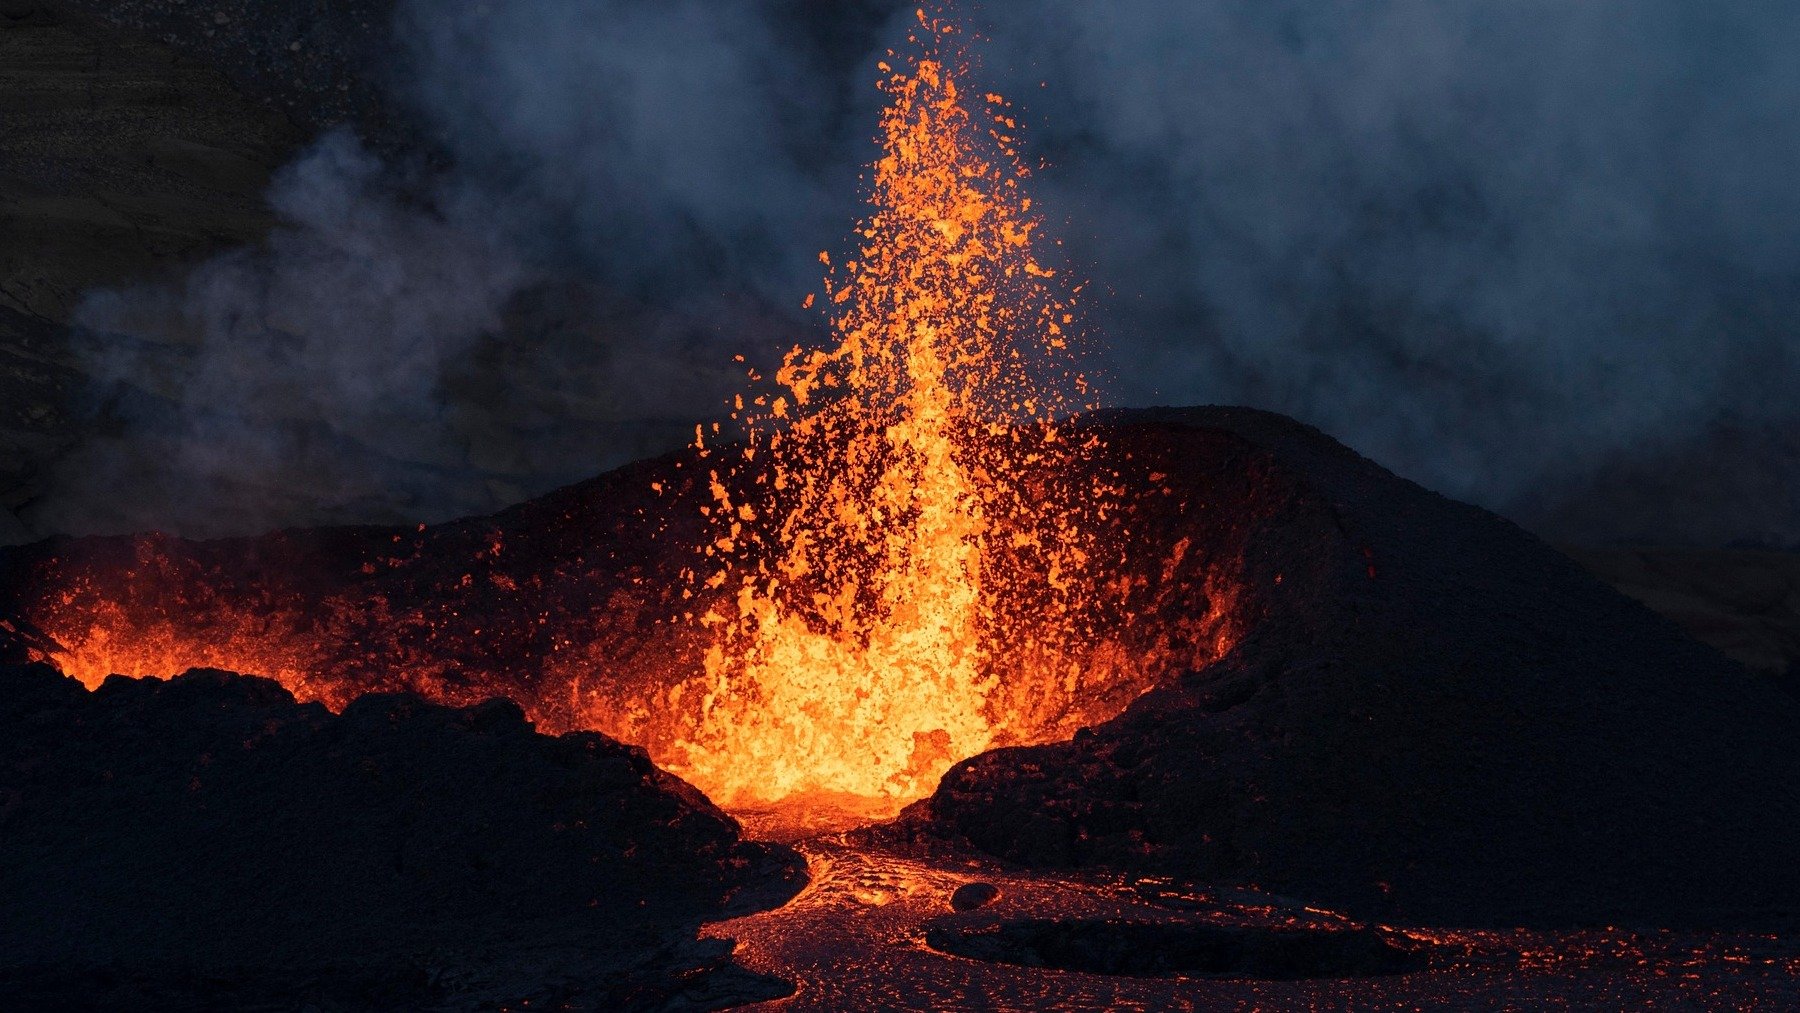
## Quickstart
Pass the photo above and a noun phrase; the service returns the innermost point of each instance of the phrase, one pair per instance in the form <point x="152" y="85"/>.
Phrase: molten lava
<point x="858" y="655"/>
<point x="914" y="554"/>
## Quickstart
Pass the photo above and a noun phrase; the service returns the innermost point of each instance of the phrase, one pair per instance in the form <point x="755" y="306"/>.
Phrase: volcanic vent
<point x="901" y="553"/>
<point x="909" y="537"/>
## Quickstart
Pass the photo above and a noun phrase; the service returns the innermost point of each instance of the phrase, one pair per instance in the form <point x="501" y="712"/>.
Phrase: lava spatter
<point x="859" y="655"/>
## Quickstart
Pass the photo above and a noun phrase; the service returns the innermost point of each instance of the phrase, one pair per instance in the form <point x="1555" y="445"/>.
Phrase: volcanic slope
<point x="1431" y="716"/>
<point x="209" y="842"/>
<point x="1417" y="710"/>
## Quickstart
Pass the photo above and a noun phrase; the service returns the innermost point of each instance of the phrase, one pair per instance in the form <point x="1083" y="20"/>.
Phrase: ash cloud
<point x="1507" y="250"/>
<point x="1496" y="247"/>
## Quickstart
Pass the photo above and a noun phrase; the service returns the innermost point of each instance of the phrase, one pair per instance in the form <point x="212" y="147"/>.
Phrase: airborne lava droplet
<point x="861" y="658"/>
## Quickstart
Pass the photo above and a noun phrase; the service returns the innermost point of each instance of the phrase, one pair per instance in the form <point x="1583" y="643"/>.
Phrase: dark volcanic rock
<point x="1432" y="716"/>
<point x="1166" y="949"/>
<point x="970" y="896"/>
<point x="209" y="827"/>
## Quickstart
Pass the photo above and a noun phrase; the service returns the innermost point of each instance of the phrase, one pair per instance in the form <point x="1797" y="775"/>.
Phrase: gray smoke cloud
<point x="1500" y="248"/>
<point x="300" y="377"/>
<point x="296" y="378"/>
<point x="673" y="147"/>
<point x="1489" y="245"/>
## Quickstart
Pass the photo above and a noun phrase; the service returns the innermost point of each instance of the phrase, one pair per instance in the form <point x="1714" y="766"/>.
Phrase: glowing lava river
<point x="878" y="927"/>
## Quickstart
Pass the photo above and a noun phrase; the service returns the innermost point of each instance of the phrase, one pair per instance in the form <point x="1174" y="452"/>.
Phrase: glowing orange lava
<point x="913" y="555"/>
<point x="858" y="656"/>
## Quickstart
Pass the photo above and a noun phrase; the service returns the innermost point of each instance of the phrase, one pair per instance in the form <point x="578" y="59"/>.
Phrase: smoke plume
<point x="1507" y="250"/>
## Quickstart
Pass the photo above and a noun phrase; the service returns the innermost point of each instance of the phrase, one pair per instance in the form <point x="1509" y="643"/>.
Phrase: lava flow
<point x="914" y="553"/>
<point x="862" y="652"/>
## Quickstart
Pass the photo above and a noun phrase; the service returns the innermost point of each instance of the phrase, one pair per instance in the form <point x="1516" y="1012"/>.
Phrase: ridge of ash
<point x="1432" y="717"/>
<point x="208" y="839"/>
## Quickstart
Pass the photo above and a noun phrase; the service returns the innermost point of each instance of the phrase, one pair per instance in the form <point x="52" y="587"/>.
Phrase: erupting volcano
<point x="909" y="554"/>
<point x="1008" y="700"/>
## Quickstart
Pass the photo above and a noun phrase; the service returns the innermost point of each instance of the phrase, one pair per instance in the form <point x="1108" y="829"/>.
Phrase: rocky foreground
<point x="208" y="840"/>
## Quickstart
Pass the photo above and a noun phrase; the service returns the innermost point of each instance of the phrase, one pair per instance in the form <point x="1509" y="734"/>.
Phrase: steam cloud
<point x="1502" y="249"/>
<point x="305" y="372"/>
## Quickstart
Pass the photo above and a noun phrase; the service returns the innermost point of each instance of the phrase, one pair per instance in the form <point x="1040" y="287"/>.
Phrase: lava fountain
<point x="857" y="653"/>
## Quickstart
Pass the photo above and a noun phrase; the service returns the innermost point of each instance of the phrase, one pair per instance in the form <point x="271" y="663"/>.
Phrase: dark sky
<point x="1539" y="254"/>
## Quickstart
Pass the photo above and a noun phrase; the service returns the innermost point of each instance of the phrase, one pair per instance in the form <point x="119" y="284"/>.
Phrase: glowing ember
<point x="858" y="656"/>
